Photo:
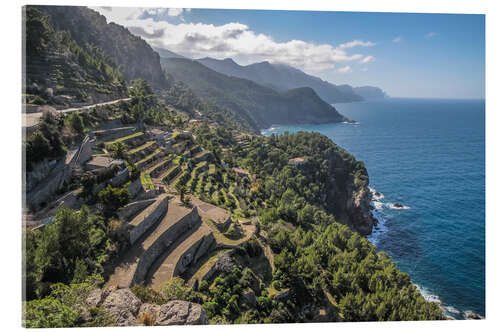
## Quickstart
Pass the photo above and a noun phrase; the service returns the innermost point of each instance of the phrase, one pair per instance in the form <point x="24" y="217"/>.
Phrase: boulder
<point x="96" y="297"/>
<point x="473" y="315"/>
<point x="175" y="313"/>
<point x="123" y="306"/>
<point x="397" y="205"/>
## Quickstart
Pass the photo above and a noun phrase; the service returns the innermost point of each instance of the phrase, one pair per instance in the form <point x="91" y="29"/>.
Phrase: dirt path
<point x="31" y="119"/>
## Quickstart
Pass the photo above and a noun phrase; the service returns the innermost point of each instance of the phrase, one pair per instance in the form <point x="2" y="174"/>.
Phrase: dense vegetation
<point x="314" y="254"/>
<point x="73" y="246"/>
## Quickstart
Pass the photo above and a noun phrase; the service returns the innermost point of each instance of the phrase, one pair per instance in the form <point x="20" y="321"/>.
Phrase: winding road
<point x="31" y="119"/>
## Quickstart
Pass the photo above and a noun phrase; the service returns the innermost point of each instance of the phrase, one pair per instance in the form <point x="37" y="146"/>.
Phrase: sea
<point x="428" y="155"/>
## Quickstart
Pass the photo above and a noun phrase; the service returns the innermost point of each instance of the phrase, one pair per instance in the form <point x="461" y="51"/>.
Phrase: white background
<point x="10" y="156"/>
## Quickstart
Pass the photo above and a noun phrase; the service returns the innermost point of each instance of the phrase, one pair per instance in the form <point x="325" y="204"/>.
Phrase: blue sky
<point x="407" y="55"/>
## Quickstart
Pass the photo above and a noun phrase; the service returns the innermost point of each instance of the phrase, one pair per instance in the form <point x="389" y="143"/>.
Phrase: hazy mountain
<point x="283" y="77"/>
<point x="370" y="93"/>
<point x="263" y="105"/>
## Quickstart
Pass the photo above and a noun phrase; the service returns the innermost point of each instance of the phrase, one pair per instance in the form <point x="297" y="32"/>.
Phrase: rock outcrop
<point x="123" y="306"/>
<point x="175" y="313"/>
<point x="125" y="309"/>
<point x="349" y="197"/>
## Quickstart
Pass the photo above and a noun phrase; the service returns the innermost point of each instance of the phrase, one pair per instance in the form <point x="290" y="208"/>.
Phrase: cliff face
<point x="348" y="195"/>
<point x="135" y="58"/>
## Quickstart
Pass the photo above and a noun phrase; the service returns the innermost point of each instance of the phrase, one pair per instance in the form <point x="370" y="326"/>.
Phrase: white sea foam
<point x="381" y="227"/>
<point x="448" y="310"/>
<point x="428" y="295"/>
<point x="377" y="196"/>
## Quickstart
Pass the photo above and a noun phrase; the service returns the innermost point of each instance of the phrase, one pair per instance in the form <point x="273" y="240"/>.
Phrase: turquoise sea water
<point x="428" y="155"/>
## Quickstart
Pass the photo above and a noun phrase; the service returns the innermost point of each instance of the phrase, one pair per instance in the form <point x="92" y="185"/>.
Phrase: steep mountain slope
<point x="164" y="53"/>
<point x="134" y="57"/>
<point x="283" y="77"/>
<point x="263" y="105"/>
<point x="60" y="71"/>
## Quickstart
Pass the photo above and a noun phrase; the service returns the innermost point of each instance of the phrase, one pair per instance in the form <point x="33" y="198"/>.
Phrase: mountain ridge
<point x="250" y="99"/>
<point x="282" y="77"/>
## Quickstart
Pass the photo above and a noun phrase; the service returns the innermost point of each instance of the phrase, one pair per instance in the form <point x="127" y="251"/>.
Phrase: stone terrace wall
<point x="151" y="219"/>
<point x="135" y="188"/>
<point x="120" y="178"/>
<point x="163" y="242"/>
<point x="133" y="208"/>
<point x="194" y="253"/>
<point x="114" y="133"/>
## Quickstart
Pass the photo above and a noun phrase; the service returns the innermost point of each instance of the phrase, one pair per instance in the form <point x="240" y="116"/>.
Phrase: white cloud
<point x="397" y="39"/>
<point x="356" y="43"/>
<point x="233" y="40"/>
<point x="345" y="69"/>
<point x="175" y="11"/>
<point x="431" y="34"/>
<point x="367" y="59"/>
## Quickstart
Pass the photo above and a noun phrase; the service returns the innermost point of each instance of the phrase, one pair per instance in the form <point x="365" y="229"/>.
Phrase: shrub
<point x="76" y="123"/>
<point x="175" y="289"/>
<point x="148" y="295"/>
<point x="48" y="313"/>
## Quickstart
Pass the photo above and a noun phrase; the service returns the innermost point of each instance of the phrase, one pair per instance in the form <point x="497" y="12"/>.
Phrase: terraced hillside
<point x="156" y="241"/>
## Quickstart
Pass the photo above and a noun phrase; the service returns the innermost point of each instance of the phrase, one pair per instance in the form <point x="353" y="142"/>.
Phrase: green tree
<point x="38" y="32"/>
<point x="113" y="198"/>
<point x="181" y="189"/>
<point x="49" y="313"/>
<point x="175" y="289"/>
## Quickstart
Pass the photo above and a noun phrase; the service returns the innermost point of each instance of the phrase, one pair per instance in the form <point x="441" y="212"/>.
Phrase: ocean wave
<point x="377" y="196"/>
<point x="449" y="310"/>
<point x="350" y="122"/>
<point x="380" y="227"/>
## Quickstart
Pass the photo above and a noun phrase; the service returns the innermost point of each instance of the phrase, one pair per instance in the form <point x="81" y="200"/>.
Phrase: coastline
<point x="378" y="204"/>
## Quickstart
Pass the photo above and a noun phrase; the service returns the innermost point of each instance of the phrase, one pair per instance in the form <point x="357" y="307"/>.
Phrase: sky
<point x="405" y="54"/>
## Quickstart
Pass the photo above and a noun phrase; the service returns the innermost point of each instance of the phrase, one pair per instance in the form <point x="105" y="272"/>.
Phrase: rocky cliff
<point x="348" y="196"/>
